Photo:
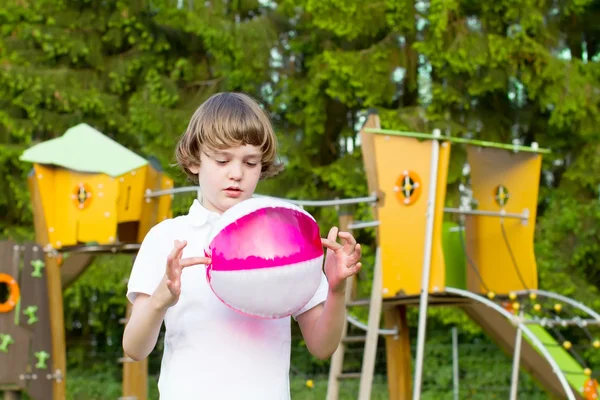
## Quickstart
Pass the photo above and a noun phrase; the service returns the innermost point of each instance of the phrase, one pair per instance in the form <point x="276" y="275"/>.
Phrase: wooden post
<point x="57" y="327"/>
<point x="398" y="354"/>
<point x="55" y="297"/>
<point x="135" y="374"/>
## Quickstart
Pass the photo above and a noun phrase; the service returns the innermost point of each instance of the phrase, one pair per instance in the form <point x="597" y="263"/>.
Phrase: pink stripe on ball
<point x="288" y="237"/>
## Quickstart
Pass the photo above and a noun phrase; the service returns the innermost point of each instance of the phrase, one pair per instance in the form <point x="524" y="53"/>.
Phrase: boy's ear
<point x="194" y="169"/>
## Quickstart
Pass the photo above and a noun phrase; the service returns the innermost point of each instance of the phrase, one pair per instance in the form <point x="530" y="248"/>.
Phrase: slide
<point x="503" y="332"/>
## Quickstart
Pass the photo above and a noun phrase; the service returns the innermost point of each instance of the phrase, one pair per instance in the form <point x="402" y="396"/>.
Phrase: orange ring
<point x="408" y="188"/>
<point x="14" y="293"/>
<point x="81" y="195"/>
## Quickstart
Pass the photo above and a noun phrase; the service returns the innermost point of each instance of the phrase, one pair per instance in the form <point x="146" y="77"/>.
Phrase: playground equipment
<point x="484" y="264"/>
<point x="494" y="277"/>
<point x="89" y="196"/>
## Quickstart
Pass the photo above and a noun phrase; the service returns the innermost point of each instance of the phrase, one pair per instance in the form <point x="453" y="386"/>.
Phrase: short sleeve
<point x="319" y="297"/>
<point x="150" y="263"/>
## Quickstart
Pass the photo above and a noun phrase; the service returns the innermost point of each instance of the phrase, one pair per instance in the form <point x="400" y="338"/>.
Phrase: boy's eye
<point x="222" y="161"/>
<point x="252" y="164"/>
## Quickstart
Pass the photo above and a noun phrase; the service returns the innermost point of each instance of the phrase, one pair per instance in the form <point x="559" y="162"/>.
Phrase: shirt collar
<point x="199" y="215"/>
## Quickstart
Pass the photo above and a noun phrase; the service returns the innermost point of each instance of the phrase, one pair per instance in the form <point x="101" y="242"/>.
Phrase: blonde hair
<point x="228" y="120"/>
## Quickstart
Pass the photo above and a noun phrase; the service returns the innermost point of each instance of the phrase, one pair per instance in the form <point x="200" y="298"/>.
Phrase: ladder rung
<point x="349" y="375"/>
<point x="358" y="302"/>
<point x="354" y="339"/>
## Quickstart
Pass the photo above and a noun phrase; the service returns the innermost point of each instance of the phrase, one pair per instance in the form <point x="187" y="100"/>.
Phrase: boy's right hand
<point x="175" y="265"/>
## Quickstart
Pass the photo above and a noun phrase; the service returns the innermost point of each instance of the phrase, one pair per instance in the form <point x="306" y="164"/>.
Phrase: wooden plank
<point x="73" y="266"/>
<point x="14" y="341"/>
<point x="39" y="219"/>
<point x="57" y="327"/>
<point x="398" y="354"/>
<point x="55" y="297"/>
<point x="367" y="145"/>
<point x="35" y="315"/>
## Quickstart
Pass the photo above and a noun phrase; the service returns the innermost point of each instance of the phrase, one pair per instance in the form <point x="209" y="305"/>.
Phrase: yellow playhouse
<point x="84" y="177"/>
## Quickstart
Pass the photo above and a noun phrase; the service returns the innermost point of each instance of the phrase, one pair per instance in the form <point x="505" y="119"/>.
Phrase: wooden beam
<point x="57" y="327"/>
<point x="73" y="266"/>
<point x="367" y="144"/>
<point x="55" y="297"/>
<point x="398" y="354"/>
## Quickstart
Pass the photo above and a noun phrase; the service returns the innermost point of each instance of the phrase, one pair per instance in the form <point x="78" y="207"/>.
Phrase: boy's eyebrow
<point x="254" y="155"/>
<point x="226" y="153"/>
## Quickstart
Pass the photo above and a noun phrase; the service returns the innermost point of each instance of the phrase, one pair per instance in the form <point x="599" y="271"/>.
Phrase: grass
<point x="106" y="385"/>
<point x="97" y="385"/>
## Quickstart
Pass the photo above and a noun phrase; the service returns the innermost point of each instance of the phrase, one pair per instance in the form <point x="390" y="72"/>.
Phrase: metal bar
<point x="455" y="371"/>
<point x="364" y="327"/>
<point x="481" y="143"/>
<point x="182" y="189"/>
<point x="514" y="382"/>
<point x="534" y="339"/>
<point x="523" y="216"/>
<point x="422" y="328"/>
<point x="363" y="224"/>
<point x="562" y="322"/>
<point x="562" y="298"/>
<point x="301" y="203"/>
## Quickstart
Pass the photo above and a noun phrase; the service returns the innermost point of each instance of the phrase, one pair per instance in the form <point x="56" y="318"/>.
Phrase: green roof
<point x="85" y="149"/>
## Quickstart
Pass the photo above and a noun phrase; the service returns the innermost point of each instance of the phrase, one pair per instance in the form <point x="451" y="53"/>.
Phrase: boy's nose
<point x="235" y="172"/>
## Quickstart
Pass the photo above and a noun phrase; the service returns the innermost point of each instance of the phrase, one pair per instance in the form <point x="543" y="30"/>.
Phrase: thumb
<point x="333" y="234"/>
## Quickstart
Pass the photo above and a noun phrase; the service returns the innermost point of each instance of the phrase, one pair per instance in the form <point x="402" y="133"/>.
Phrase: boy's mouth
<point x="233" y="191"/>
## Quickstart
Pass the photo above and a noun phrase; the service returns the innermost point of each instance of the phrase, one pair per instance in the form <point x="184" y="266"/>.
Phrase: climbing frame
<point x="25" y="340"/>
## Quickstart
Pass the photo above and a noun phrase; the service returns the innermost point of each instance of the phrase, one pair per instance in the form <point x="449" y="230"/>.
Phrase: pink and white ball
<point x="267" y="258"/>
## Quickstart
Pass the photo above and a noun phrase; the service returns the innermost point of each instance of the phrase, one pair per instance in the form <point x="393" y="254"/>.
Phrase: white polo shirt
<point x="212" y="352"/>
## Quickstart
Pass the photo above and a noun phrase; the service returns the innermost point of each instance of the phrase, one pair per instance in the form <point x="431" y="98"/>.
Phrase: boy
<point x="212" y="352"/>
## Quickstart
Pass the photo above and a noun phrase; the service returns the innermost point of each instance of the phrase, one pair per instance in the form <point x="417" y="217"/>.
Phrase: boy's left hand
<point x="341" y="260"/>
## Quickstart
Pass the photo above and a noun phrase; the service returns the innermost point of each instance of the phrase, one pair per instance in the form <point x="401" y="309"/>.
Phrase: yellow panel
<point x="131" y="195"/>
<point x="402" y="229"/>
<point x="87" y="205"/>
<point x="164" y="202"/>
<point x="45" y="177"/>
<point x="66" y="219"/>
<point x="519" y="174"/>
<point x="437" y="280"/>
<point x="149" y="207"/>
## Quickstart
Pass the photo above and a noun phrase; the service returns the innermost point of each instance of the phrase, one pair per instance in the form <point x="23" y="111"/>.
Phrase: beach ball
<point x="266" y="256"/>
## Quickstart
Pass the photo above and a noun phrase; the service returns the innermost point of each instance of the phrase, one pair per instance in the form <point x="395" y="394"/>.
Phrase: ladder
<point x="336" y="372"/>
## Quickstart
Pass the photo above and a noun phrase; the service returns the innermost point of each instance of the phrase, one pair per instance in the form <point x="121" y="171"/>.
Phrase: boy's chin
<point x="229" y="202"/>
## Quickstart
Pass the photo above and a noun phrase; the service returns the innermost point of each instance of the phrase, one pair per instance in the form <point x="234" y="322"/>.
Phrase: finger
<point x="353" y="270"/>
<point x="180" y="245"/>
<point x="173" y="258"/>
<point x="176" y="252"/>
<point x="188" y="262"/>
<point x="331" y="244"/>
<point x="348" y="237"/>
<point x="349" y="242"/>
<point x="333" y="234"/>
<point x="357" y="254"/>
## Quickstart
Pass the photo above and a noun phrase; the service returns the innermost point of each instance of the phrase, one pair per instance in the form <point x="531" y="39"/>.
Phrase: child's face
<point x="228" y="176"/>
